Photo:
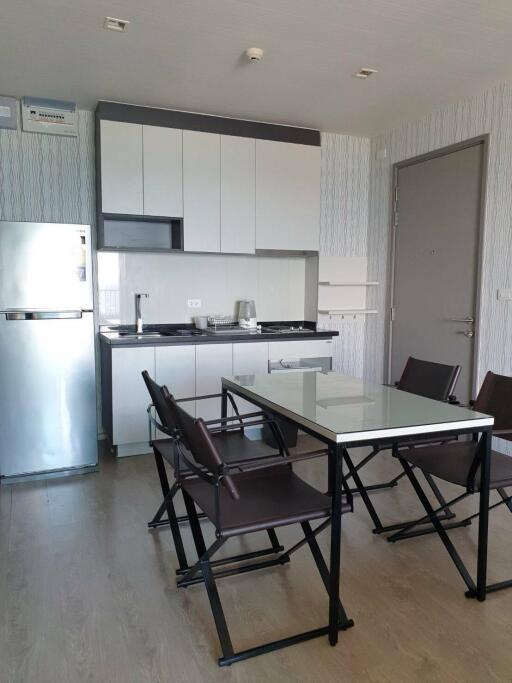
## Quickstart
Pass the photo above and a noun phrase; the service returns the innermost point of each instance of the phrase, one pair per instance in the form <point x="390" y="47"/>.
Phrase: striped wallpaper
<point x="490" y="112"/>
<point x="48" y="178"/>
<point x="344" y="232"/>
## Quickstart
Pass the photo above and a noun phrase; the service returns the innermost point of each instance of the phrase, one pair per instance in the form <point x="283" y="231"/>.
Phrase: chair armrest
<point x="263" y="461"/>
<point x="153" y="421"/>
<point x="223" y="420"/>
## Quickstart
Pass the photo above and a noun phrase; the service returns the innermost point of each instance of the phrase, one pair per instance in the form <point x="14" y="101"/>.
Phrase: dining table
<point x="344" y="412"/>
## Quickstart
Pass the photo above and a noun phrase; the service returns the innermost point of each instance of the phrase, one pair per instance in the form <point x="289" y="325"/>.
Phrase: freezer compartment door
<point x="45" y="266"/>
<point x="48" y="394"/>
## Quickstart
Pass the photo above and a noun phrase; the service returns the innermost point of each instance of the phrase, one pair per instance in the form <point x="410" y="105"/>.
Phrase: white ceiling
<point x="187" y="54"/>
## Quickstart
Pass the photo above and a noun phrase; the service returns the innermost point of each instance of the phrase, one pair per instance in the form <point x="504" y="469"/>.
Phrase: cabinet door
<point x="130" y="398"/>
<point x="121" y="167"/>
<point x="237" y="192"/>
<point x="163" y="167"/>
<point x="290" y="350"/>
<point x="249" y="359"/>
<point x="201" y="191"/>
<point x="212" y="362"/>
<point x="175" y="366"/>
<point x="287" y="196"/>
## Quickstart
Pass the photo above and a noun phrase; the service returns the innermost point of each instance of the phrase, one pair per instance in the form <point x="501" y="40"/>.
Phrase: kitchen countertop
<point x="111" y="335"/>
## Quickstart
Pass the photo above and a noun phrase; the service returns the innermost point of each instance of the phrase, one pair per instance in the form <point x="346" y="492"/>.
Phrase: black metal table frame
<point x="337" y="453"/>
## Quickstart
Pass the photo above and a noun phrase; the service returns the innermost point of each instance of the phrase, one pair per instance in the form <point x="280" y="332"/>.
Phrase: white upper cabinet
<point x="162" y="171"/>
<point x="201" y="191"/>
<point x="238" y="194"/>
<point x="287" y="196"/>
<point x="121" y="168"/>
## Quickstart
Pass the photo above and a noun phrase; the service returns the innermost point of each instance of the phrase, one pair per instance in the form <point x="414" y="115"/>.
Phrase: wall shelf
<point x="348" y="284"/>
<point x="348" y="311"/>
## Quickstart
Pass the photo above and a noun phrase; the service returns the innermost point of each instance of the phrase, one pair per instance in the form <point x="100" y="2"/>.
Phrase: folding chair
<point x="265" y="494"/>
<point x="230" y="440"/>
<point x="424" y="378"/>
<point x="459" y="463"/>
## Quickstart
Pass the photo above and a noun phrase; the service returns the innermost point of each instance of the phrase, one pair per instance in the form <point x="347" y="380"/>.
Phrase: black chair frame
<point x="169" y="492"/>
<point x="205" y="563"/>
<point x="364" y="489"/>
<point x="432" y="515"/>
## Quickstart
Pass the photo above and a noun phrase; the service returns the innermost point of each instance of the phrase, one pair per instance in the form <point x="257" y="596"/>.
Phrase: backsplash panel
<point x="275" y="283"/>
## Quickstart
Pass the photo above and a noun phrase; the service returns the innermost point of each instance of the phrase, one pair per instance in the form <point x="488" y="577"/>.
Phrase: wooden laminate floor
<point x="88" y="594"/>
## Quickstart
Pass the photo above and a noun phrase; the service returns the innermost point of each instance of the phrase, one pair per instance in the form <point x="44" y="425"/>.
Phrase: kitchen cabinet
<point x="249" y="359"/>
<point x="121" y="168"/>
<point x="201" y="191"/>
<point x="291" y="350"/>
<point x="287" y="196"/>
<point x="130" y="398"/>
<point x="162" y="171"/>
<point x="212" y="362"/>
<point x="238" y="195"/>
<point x="175" y="366"/>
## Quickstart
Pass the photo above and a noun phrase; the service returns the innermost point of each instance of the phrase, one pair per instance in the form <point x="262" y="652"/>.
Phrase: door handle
<point x="469" y="320"/>
<point x="468" y="333"/>
<point x="14" y="314"/>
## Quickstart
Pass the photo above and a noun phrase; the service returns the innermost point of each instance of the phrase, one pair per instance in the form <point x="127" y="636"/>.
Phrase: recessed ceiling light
<point x="113" y="24"/>
<point x="365" y="72"/>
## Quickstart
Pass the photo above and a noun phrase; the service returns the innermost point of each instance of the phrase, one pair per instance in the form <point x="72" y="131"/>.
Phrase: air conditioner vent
<point x="365" y="73"/>
<point x="113" y="24"/>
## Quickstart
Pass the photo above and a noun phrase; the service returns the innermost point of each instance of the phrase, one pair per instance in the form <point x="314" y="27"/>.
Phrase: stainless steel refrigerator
<point x="47" y="367"/>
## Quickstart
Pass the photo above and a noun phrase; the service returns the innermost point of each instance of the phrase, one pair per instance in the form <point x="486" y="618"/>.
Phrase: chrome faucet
<point x="138" y="314"/>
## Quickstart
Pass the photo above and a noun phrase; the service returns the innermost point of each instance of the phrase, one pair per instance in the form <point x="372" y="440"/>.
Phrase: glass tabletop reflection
<point x="344" y="408"/>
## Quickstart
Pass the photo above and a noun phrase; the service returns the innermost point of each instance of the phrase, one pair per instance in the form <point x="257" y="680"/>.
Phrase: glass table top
<point x="344" y="408"/>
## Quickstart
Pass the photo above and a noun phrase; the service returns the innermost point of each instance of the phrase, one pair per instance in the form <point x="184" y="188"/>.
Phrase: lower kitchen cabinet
<point x="212" y="362"/>
<point x="130" y="398"/>
<point x="175" y="366"/>
<point x="249" y="359"/>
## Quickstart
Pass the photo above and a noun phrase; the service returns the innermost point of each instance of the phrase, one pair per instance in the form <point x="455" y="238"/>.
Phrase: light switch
<point x="504" y="294"/>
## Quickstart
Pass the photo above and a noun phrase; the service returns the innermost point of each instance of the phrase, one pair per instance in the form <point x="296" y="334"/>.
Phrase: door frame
<point x="442" y="151"/>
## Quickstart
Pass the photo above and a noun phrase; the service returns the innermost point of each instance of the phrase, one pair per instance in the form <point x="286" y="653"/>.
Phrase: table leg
<point x="224" y="404"/>
<point x="335" y="486"/>
<point x="483" y="524"/>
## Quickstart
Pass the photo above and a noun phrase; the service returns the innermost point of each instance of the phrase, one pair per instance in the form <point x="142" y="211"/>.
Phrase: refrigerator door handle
<point x="38" y="314"/>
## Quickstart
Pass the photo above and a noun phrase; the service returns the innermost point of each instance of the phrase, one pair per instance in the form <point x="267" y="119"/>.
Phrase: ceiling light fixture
<point x="365" y="73"/>
<point x="114" y="24"/>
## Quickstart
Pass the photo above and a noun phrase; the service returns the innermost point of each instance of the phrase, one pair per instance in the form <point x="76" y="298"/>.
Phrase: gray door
<point x="436" y="260"/>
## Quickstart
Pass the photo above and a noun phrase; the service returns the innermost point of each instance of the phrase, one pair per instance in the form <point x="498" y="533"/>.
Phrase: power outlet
<point x="194" y="303"/>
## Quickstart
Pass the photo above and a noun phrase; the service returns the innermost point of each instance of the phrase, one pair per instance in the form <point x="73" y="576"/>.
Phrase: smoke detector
<point x="365" y="73"/>
<point x="254" y="54"/>
<point x="114" y="24"/>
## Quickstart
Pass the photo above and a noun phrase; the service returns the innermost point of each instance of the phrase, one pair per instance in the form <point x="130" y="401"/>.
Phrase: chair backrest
<point x="431" y="380"/>
<point x="199" y="442"/>
<point x="165" y="415"/>
<point x="495" y="398"/>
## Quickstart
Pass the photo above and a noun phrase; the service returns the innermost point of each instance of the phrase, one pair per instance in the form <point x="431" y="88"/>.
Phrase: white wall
<point x="275" y="283"/>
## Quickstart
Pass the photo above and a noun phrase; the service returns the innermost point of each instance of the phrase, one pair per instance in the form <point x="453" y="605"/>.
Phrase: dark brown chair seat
<point x="270" y="497"/>
<point x="234" y="446"/>
<point x="452" y="463"/>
